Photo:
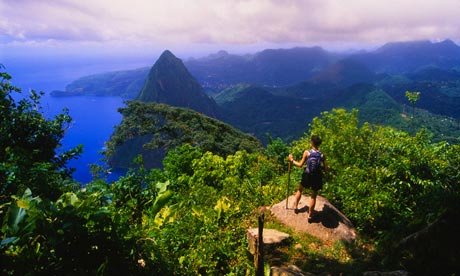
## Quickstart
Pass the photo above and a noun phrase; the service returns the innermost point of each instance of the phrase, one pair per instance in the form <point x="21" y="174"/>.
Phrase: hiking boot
<point x="296" y="210"/>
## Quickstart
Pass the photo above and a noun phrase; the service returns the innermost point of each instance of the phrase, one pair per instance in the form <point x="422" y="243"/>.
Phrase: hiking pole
<point x="289" y="181"/>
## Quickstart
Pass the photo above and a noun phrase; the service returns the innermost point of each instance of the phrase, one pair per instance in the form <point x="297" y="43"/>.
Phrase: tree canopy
<point x="29" y="144"/>
<point x="151" y="129"/>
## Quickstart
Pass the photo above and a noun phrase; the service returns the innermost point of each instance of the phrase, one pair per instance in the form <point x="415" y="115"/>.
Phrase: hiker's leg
<point x="298" y="194"/>
<point x="311" y="208"/>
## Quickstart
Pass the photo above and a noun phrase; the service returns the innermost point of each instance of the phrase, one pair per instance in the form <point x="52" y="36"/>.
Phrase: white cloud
<point x="222" y="22"/>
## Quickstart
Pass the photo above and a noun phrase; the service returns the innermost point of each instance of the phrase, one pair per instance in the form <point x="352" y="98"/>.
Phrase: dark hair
<point x="316" y="140"/>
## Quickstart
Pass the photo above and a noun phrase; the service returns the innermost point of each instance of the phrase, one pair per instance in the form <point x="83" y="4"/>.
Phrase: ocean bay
<point x="93" y="121"/>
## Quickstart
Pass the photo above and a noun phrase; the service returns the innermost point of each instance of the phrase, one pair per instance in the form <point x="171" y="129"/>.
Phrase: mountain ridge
<point x="406" y="57"/>
<point x="171" y="83"/>
<point x="211" y="71"/>
<point x="284" y="111"/>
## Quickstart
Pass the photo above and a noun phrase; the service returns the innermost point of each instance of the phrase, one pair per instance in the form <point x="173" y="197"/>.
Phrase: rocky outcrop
<point x="271" y="237"/>
<point x="329" y="223"/>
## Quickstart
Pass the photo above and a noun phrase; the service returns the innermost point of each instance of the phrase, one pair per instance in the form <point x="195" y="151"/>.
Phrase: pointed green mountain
<point x="170" y="82"/>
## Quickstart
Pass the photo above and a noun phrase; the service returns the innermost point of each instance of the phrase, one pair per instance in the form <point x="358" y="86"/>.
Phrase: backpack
<point x="313" y="162"/>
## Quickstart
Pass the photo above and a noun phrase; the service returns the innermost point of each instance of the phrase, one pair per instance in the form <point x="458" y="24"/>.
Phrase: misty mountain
<point x="345" y="72"/>
<point x="170" y="82"/>
<point x="271" y="67"/>
<point x="435" y="74"/>
<point x="254" y="100"/>
<point x="257" y="111"/>
<point x="406" y="57"/>
<point x="282" y="67"/>
<point x="125" y="84"/>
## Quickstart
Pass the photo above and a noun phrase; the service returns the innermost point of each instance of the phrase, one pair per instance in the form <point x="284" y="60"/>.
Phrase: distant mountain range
<point x="282" y="67"/>
<point x="279" y="91"/>
<point x="408" y="57"/>
<point x="270" y="67"/>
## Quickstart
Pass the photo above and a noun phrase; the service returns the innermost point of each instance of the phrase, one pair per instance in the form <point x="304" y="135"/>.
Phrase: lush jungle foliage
<point x="386" y="181"/>
<point x="29" y="145"/>
<point x="190" y="217"/>
<point x="150" y="129"/>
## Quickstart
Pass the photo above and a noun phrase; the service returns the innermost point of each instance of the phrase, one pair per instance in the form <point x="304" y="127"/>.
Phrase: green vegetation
<point x="190" y="217"/>
<point x="230" y="93"/>
<point x="252" y="100"/>
<point x="125" y="84"/>
<point x="440" y="96"/>
<point x="382" y="176"/>
<point x="259" y="110"/>
<point x="151" y="129"/>
<point x="170" y="82"/>
<point x="413" y="98"/>
<point x="29" y="145"/>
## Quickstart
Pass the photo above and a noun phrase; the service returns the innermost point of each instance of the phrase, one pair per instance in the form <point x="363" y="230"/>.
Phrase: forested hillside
<point x="125" y="84"/>
<point x="286" y="112"/>
<point x="292" y="86"/>
<point x="151" y="129"/>
<point x="440" y="90"/>
<point x="401" y="191"/>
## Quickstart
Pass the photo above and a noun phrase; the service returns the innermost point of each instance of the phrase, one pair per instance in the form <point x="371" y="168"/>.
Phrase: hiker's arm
<point x="301" y="162"/>
<point x="325" y="164"/>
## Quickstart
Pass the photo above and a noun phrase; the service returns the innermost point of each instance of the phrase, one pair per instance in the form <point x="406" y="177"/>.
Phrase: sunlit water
<point x="93" y="122"/>
<point x="94" y="119"/>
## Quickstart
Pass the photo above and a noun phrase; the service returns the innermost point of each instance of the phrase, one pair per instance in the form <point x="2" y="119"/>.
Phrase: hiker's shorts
<point x="312" y="181"/>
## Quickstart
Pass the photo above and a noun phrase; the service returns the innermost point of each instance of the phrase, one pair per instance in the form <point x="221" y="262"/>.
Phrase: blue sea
<point x="94" y="119"/>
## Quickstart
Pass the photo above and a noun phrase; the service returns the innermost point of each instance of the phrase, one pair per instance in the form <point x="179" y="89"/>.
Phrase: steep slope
<point x="257" y="111"/>
<point x="151" y="129"/>
<point x="262" y="106"/>
<point x="439" y="88"/>
<point x="287" y="113"/>
<point x="171" y="83"/>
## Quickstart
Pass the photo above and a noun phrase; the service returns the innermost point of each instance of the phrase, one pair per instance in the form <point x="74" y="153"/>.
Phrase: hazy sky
<point x="195" y="27"/>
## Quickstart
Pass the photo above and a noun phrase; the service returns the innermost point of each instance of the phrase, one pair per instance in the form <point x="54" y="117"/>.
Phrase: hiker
<point x="312" y="177"/>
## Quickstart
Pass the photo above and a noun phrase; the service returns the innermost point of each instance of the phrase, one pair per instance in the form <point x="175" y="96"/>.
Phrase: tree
<point x="388" y="182"/>
<point x="413" y="97"/>
<point x="29" y="143"/>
